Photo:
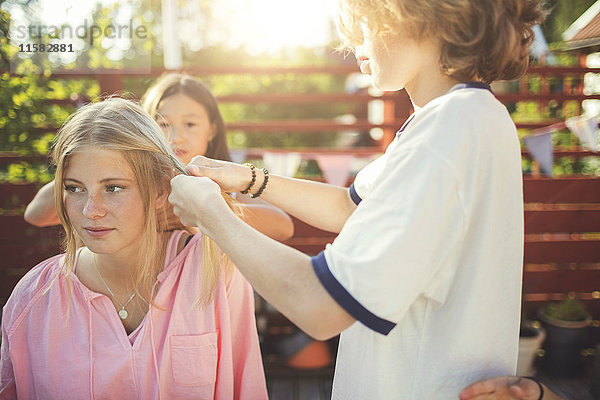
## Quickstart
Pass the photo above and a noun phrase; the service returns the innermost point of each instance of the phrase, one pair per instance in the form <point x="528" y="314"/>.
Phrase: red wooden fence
<point x="562" y="248"/>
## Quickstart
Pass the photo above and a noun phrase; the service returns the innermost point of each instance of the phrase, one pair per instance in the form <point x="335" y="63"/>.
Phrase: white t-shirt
<point x="430" y="262"/>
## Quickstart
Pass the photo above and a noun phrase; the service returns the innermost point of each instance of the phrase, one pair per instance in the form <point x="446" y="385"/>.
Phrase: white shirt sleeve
<point x="363" y="183"/>
<point x="396" y="245"/>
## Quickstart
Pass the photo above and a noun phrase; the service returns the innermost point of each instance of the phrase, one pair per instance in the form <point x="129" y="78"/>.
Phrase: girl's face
<point x="103" y="201"/>
<point x="186" y="123"/>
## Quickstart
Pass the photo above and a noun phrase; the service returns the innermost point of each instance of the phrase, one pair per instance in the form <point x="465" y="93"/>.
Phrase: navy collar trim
<point x="471" y="85"/>
<point x="458" y="86"/>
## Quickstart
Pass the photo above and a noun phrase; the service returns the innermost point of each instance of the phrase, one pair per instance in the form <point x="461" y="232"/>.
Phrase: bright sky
<point x="271" y="24"/>
<point x="258" y="25"/>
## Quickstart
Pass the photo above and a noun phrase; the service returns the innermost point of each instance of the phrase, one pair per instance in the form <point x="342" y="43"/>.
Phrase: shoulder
<point x="31" y="287"/>
<point x="461" y="125"/>
<point x="234" y="280"/>
<point x="463" y="111"/>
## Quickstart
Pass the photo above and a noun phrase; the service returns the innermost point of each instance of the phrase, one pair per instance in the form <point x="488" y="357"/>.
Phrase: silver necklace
<point x="123" y="314"/>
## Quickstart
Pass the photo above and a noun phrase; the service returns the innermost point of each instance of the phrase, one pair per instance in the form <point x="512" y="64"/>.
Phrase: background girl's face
<point x="186" y="124"/>
<point x="103" y="201"/>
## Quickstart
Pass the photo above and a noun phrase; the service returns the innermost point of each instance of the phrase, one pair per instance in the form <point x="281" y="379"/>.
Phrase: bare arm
<point x="281" y="274"/>
<point x="42" y="211"/>
<point x="266" y="218"/>
<point x="506" y="388"/>
<point x="318" y="204"/>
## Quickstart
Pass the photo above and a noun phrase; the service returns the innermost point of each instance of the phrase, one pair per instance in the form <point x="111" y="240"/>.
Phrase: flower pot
<point x="530" y="340"/>
<point x="563" y="345"/>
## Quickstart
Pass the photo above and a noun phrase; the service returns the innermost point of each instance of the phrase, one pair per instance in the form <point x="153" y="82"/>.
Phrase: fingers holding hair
<point x="502" y="388"/>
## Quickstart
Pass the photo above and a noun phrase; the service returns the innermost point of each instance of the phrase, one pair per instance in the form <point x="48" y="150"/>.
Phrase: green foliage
<point x="280" y="84"/>
<point x="563" y="14"/>
<point x="566" y="310"/>
<point x="30" y="114"/>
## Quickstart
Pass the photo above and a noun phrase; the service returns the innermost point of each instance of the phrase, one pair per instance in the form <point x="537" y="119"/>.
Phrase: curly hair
<point x="484" y="40"/>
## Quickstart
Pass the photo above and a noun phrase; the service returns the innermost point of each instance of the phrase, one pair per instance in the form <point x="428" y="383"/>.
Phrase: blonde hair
<point x="121" y="125"/>
<point x="171" y="84"/>
<point x="486" y="40"/>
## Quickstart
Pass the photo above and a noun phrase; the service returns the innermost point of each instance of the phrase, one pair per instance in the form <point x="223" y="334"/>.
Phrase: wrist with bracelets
<point x="253" y="170"/>
<point x="253" y="180"/>
<point x="539" y="386"/>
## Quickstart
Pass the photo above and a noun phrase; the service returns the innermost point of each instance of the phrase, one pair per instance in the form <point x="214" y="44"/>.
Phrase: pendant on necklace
<point x="123" y="314"/>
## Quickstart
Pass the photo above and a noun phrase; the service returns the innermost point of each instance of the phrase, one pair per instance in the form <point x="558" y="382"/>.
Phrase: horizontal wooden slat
<point x="317" y="126"/>
<point x="561" y="281"/>
<point x="18" y="189"/>
<point x="538" y="252"/>
<point x="561" y="190"/>
<point x="15" y="196"/>
<point x="9" y="277"/>
<point x="515" y="97"/>
<point x="562" y="221"/>
<point x="307" y="152"/>
<point x="27" y="255"/>
<point x="302" y="229"/>
<point x="13" y="228"/>
<point x="358" y="97"/>
<point x="342" y="69"/>
<point x="560" y="152"/>
<point x="11" y="158"/>
<point x="305" y="98"/>
<point x="307" y="248"/>
<point x="203" y="71"/>
<point x="562" y="251"/>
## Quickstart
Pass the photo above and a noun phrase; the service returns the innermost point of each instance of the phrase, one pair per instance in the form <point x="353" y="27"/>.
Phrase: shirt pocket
<point x="194" y="359"/>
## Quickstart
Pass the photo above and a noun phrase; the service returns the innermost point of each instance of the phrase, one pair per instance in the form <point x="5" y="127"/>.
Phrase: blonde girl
<point x="131" y="309"/>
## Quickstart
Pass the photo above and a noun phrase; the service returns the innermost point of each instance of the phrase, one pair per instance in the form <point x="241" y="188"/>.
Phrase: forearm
<point x="321" y="205"/>
<point x="549" y="395"/>
<point x="282" y="275"/>
<point x="42" y="211"/>
<point x="268" y="220"/>
<point x="318" y="204"/>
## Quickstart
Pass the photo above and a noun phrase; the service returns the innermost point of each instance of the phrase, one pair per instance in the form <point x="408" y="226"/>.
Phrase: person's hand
<point x="231" y="177"/>
<point x="197" y="201"/>
<point x="502" y="388"/>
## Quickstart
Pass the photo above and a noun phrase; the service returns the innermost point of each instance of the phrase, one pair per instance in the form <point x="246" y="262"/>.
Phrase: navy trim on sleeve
<point x="354" y="196"/>
<point x="345" y="299"/>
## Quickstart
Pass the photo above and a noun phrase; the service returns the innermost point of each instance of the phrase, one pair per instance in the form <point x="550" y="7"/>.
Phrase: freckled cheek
<point x="128" y="207"/>
<point x="74" y="206"/>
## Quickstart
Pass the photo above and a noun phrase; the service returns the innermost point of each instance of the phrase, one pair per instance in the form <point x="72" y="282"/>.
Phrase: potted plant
<point x="531" y="336"/>
<point x="566" y="324"/>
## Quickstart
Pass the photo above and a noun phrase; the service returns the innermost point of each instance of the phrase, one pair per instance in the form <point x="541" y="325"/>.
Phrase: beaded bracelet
<point x="252" y="169"/>
<point x="539" y="385"/>
<point x="264" y="185"/>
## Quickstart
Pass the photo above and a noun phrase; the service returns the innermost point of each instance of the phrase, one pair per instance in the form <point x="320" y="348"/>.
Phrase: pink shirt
<point x="181" y="352"/>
